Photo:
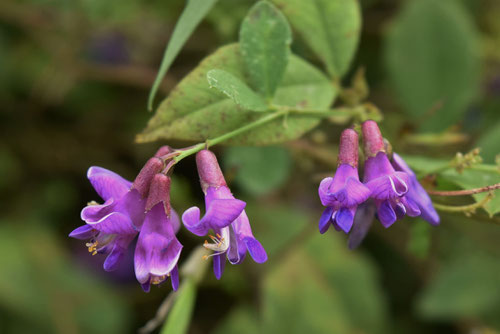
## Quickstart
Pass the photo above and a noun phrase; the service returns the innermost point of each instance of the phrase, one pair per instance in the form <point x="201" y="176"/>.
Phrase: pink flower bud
<point x="159" y="191"/>
<point x="143" y="179"/>
<point x="374" y="142"/>
<point x="164" y="150"/>
<point x="348" y="152"/>
<point x="209" y="170"/>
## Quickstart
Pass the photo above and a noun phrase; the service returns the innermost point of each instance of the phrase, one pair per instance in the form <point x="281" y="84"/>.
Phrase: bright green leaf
<point x="177" y="321"/>
<point x="258" y="169"/>
<point x="236" y="90"/>
<point x="195" y="112"/>
<point x="432" y="58"/>
<point x="194" y="12"/>
<point x="331" y="28"/>
<point x="265" y="39"/>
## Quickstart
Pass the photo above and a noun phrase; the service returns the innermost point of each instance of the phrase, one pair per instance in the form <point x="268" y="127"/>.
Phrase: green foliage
<point x="475" y="177"/>
<point x="265" y="39"/>
<point x="467" y="287"/>
<point x="318" y="287"/>
<point x="236" y="90"/>
<point x="331" y="28"/>
<point x="194" y="12"/>
<point x="432" y="59"/>
<point x="489" y="143"/>
<point x="40" y="284"/>
<point x="179" y="317"/>
<point x="259" y="170"/>
<point x="193" y="111"/>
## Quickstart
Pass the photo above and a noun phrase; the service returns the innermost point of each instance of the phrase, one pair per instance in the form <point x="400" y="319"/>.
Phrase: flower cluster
<point x="142" y="208"/>
<point x="389" y="186"/>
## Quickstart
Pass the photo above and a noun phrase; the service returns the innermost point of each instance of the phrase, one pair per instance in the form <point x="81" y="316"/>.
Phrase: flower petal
<point x="83" y="232"/>
<point x="411" y="207"/>
<point x="107" y="183"/>
<point x="124" y="216"/>
<point x="344" y="218"/>
<point x="385" y="213"/>
<point x="325" y="220"/>
<point x="174" y="278"/>
<point x="257" y="252"/>
<point x="362" y="222"/>
<point x="218" y="265"/>
<point x="220" y="213"/>
<point x="120" y="246"/>
<point x="389" y="186"/>
<point x="157" y="250"/>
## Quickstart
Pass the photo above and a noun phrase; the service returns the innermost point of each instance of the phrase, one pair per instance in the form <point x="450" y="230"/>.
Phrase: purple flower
<point x="416" y="192"/>
<point x="388" y="187"/>
<point x="112" y="226"/>
<point x="342" y="193"/>
<point x="225" y="215"/>
<point x="158" y="250"/>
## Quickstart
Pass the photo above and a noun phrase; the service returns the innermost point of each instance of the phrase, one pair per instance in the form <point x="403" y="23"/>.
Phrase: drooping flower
<point x="342" y="193"/>
<point x="416" y="192"/>
<point x="112" y="226"/>
<point x="225" y="215"/>
<point x="158" y="250"/>
<point x="388" y="187"/>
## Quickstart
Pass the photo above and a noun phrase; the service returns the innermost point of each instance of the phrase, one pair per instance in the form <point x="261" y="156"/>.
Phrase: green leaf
<point x="470" y="179"/>
<point x="433" y="63"/>
<point x="193" y="13"/>
<point x="265" y="39"/>
<point x="468" y="287"/>
<point x="241" y="320"/>
<point x="195" y="112"/>
<point x="236" y="90"/>
<point x="259" y="170"/>
<point x="331" y="28"/>
<point x="485" y="175"/>
<point x="178" y="319"/>
<point x="321" y="287"/>
<point x="489" y="144"/>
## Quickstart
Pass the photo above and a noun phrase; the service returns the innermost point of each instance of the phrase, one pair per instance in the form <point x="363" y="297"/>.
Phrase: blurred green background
<point x="74" y="80"/>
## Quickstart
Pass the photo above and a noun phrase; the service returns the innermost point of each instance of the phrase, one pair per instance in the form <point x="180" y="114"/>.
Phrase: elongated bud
<point x="159" y="192"/>
<point x="348" y="151"/>
<point x="209" y="170"/>
<point x="373" y="140"/>
<point x="162" y="151"/>
<point x="143" y="179"/>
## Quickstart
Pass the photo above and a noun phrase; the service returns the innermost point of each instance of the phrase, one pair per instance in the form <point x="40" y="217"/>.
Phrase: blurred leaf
<point x="331" y="28"/>
<point x="420" y="238"/>
<point x="265" y="39"/>
<point x="466" y="288"/>
<point x="469" y="179"/>
<point x="489" y="144"/>
<point x="432" y="58"/>
<point x="258" y="169"/>
<point x="45" y="287"/>
<point x="322" y="288"/>
<point x="236" y="90"/>
<point x="276" y="226"/>
<point x="193" y="13"/>
<point x="177" y="321"/>
<point x="242" y="320"/>
<point x="193" y="110"/>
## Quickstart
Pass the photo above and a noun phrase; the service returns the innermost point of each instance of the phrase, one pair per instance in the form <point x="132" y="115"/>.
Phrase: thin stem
<point x="465" y="208"/>
<point x="210" y="142"/>
<point x="464" y="192"/>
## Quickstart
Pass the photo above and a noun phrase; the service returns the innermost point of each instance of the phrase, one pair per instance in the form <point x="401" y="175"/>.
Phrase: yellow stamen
<point x="92" y="246"/>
